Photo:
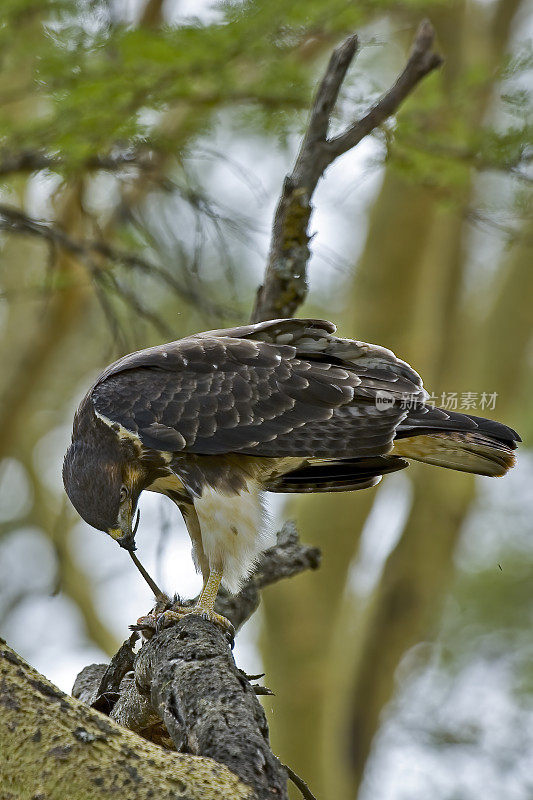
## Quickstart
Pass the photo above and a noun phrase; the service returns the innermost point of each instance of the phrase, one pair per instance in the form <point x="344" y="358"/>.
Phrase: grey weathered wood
<point x="187" y="675"/>
<point x="284" y="287"/>
<point x="184" y="691"/>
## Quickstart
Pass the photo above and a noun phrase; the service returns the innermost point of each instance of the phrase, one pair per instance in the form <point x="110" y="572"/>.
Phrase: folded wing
<point x="280" y="388"/>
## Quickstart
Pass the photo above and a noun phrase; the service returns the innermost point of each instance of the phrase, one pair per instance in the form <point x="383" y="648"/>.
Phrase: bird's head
<point x="104" y="485"/>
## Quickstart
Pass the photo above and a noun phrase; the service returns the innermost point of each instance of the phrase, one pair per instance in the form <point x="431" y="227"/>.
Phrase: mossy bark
<point x="54" y="747"/>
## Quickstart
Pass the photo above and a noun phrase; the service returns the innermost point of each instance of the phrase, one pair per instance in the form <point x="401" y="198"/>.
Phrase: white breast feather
<point x="235" y="531"/>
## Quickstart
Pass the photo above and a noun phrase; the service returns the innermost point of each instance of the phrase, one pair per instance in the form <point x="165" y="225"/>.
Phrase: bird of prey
<point x="216" y="419"/>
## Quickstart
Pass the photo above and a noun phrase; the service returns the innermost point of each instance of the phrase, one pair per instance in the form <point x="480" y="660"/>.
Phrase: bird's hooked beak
<point x="124" y="534"/>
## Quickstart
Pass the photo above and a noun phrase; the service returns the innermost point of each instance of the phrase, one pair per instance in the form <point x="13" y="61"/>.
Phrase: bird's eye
<point x="123" y="493"/>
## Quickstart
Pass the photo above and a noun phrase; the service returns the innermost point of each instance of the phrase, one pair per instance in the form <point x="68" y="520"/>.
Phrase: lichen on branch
<point x="50" y="741"/>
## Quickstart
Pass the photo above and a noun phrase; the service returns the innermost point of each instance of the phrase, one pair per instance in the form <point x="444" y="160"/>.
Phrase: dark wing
<point x="331" y="475"/>
<point x="285" y="388"/>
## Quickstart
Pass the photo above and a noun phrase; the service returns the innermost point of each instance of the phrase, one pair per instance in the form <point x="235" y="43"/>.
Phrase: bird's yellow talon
<point x="218" y="619"/>
<point x="174" y="615"/>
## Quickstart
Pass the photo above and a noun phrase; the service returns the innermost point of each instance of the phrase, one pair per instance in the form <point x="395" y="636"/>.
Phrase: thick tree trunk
<point x="54" y="747"/>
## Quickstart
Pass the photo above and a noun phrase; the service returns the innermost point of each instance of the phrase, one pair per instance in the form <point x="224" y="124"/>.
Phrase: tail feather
<point x="462" y="442"/>
<point x="496" y="430"/>
<point x="432" y="435"/>
<point x="428" y="419"/>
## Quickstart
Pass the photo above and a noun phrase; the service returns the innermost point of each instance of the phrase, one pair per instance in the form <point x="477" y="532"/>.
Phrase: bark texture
<point x="187" y="675"/>
<point x="55" y="747"/>
<point x="183" y="690"/>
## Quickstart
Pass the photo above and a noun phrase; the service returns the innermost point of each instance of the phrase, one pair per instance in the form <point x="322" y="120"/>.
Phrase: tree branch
<point x="186" y="677"/>
<point x="50" y="741"/>
<point x="13" y="220"/>
<point x="422" y="61"/>
<point x="285" y="285"/>
<point x="184" y="691"/>
<point x="35" y="161"/>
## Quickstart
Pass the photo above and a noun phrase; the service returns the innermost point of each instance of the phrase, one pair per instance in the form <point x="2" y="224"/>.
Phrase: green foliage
<point x="97" y="88"/>
<point x="439" y="140"/>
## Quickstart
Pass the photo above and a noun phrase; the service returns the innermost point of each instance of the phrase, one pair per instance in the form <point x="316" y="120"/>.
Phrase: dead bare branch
<point x="285" y="285"/>
<point x="422" y="60"/>
<point x="304" y="789"/>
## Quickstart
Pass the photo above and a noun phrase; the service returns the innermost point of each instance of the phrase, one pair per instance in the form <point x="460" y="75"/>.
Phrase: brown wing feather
<point x="301" y="392"/>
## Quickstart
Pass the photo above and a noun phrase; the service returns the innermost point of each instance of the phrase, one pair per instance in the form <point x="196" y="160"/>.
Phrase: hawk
<point x="216" y="419"/>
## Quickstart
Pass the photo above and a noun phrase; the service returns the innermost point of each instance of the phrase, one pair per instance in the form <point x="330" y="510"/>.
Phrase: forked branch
<point x="285" y="284"/>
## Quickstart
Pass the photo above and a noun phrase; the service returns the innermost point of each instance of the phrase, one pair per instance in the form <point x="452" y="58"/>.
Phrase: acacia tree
<point x="165" y="698"/>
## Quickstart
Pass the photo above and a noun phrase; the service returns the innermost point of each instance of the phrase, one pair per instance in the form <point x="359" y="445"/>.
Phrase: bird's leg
<point x="208" y="595"/>
<point x="204" y="606"/>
